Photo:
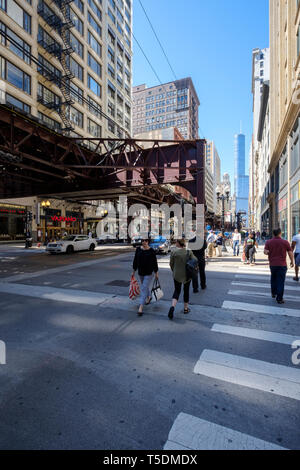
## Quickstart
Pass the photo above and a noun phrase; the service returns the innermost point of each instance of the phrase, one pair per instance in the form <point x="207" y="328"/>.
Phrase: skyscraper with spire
<point x="241" y="180"/>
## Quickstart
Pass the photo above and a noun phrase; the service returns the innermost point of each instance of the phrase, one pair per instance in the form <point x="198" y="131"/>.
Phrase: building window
<point x="15" y="76"/>
<point x="76" y="116"/>
<point x="111" y="91"/>
<point x="94" y="129"/>
<point x="17" y="103"/>
<point x="76" y="45"/>
<point x="111" y="71"/>
<point x="94" y="24"/>
<point x="111" y="15"/>
<point x="111" y="54"/>
<point x="111" y="108"/>
<point x="48" y="70"/>
<point x="79" y="5"/>
<point x="48" y="43"/>
<point x="76" y="93"/>
<point x="95" y="9"/>
<point x="95" y="66"/>
<point x="49" y="122"/>
<point x="76" y="69"/>
<point x="94" y="86"/>
<point x="78" y="24"/>
<point x="48" y="98"/>
<point x="111" y="127"/>
<point x="94" y="107"/>
<point x="24" y="51"/>
<point x="94" y="44"/>
<point x="16" y="13"/>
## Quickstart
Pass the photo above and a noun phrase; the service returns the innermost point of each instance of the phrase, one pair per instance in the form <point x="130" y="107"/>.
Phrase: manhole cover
<point x="118" y="283"/>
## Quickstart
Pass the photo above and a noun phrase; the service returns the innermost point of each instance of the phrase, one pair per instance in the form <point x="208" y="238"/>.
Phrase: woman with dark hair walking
<point x="145" y="262"/>
<point x="178" y="260"/>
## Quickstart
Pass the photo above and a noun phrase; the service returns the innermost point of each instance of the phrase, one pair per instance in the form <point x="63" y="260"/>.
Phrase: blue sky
<point x="211" y="41"/>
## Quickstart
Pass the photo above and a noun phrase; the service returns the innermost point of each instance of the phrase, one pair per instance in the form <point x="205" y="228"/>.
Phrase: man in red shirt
<point x="277" y="249"/>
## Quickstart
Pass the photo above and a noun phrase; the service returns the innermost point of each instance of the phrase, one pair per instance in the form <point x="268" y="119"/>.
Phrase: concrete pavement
<point x="83" y="371"/>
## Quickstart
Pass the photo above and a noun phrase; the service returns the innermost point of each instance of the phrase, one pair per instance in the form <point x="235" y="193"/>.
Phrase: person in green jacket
<point x="178" y="262"/>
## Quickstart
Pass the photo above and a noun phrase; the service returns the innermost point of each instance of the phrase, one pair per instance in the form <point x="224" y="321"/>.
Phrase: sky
<point x="210" y="41"/>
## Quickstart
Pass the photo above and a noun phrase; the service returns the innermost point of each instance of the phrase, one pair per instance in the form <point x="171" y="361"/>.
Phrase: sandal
<point x="149" y="301"/>
<point x="186" y="311"/>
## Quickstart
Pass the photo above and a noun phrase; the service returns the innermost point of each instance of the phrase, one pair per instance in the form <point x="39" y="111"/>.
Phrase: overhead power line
<point x="144" y="54"/>
<point x="152" y="27"/>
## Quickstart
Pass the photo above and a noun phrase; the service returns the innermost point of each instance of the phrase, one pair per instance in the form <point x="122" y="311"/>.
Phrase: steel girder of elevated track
<point x="37" y="161"/>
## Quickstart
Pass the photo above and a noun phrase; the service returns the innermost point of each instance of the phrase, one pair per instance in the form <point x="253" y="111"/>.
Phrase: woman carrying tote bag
<point x="145" y="262"/>
<point x="178" y="262"/>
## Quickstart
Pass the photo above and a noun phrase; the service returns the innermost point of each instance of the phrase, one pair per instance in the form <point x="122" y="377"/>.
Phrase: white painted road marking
<point x="264" y="286"/>
<point x="264" y="272"/>
<point x="255" y="334"/>
<point x="260" y="375"/>
<point x="192" y="433"/>
<point x="253" y="293"/>
<point x="257" y="308"/>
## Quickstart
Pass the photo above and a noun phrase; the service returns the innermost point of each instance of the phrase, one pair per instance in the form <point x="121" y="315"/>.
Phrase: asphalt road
<point x="84" y="372"/>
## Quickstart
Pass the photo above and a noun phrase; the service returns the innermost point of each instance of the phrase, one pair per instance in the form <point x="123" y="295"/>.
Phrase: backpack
<point x="191" y="266"/>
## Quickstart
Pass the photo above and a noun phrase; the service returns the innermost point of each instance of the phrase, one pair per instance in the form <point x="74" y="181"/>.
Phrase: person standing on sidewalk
<point x="237" y="241"/>
<point x="200" y="255"/>
<point x="178" y="260"/>
<point x="250" y="249"/>
<point x="277" y="249"/>
<point x="145" y="262"/>
<point x="296" y="247"/>
<point x="211" y="239"/>
<point x="219" y="244"/>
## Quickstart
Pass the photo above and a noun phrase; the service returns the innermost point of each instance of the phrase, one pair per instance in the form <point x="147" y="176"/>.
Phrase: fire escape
<point x="62" y="25"/>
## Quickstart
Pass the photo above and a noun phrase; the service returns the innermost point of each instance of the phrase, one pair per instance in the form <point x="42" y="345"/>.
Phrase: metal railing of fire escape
<point x="62" y="25"/>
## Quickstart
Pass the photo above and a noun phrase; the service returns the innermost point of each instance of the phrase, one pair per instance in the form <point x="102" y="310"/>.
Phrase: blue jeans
<point x="236" y="246"/>
<point x="145" y="288"/>
<point x="278" y="274"/>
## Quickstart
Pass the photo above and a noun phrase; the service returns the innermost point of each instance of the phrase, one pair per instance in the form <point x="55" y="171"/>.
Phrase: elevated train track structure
<point x="35" y="160"/>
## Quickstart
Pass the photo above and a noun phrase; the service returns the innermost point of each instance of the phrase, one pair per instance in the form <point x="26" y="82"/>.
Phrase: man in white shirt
<point x="296" y="247"/>
<point x="211" y="244"/>
<point x="236" y="240"/>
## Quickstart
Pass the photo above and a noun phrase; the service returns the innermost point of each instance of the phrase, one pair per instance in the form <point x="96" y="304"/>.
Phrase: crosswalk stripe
<point x="264" y="278"/>
<point x="231" y="305"/>
<point x="255" y="334"/>
<point x="267" y="272"/>
<point x="242" y="293"/>
<point x="262" y="285"/>
<point x="260" y="375"/>
<point x="192" y="433"/>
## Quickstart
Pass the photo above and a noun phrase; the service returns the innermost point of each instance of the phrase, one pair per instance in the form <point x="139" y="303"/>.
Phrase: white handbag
<point x="156" y="291"/>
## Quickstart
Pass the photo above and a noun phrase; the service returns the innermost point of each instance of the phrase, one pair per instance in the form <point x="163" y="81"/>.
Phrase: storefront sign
<point x="282" y="204"/>
<point x="12" y="211"/>
<point x="55" y="218"/>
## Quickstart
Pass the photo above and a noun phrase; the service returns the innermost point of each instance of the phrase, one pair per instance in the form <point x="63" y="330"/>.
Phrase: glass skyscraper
<point x="241" y="180"/>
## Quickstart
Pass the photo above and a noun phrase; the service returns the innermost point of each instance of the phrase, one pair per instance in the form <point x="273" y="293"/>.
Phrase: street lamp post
<point x="223" y="195"/>
<point x="46" y="205"/>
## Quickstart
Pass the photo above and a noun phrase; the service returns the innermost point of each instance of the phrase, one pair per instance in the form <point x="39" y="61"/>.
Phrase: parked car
<point x="71" y="243"/>
<point x="136" y="241"/>
<point x="107" y="238"/>
<point x="161" y="245"/>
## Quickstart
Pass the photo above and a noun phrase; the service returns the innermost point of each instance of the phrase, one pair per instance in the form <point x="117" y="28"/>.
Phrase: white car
<point x="71" y="243"/>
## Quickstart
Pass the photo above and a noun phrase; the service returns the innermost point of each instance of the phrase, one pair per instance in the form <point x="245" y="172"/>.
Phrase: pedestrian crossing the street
<point x="238" y="370"/>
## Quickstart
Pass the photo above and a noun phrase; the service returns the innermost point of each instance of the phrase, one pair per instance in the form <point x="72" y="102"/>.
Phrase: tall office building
<point x="66" y="62"/>
<point x="213" y="162"/>
<point x="283" y="192"/>
<point x="241" y="180"/>
<point x="257" y="177"/>
<point x="174" y="104"/>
